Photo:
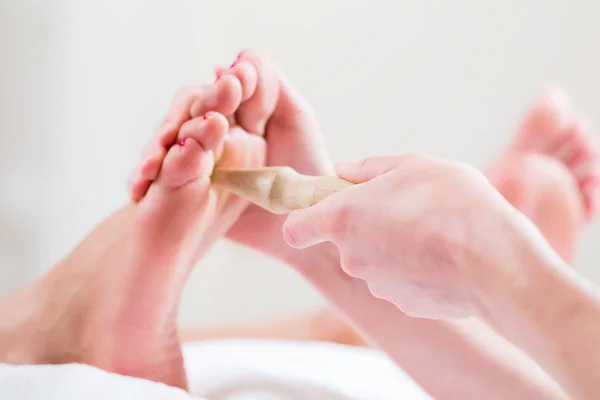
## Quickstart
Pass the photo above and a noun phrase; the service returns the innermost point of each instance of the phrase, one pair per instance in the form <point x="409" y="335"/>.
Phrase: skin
<point x="485" y="260"/>
<point x="421" y="247"/>
<point x="142" y="254"/>
<point x="534" y="173"/>
<point x="466" y="349"/>
<point x="150" y="347"/>
<point x="465" y="277"/>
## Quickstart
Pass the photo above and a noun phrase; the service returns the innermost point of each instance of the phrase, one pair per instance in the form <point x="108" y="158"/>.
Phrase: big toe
<point x="192" y="159"/>
<point x="185" y="163"/>
<point x="547" y="118"/>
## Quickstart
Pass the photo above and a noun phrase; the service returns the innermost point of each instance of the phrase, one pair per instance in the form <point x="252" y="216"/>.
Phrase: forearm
<point x="443" y="357"/>
<point x="553" y="314"/>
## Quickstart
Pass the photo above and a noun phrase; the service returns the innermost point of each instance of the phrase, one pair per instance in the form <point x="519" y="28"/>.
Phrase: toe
<point x="549" y="115"/>
<point x="186" y="163"/>
<point x="209" y="131"/>
<point x="564" y="146"/>
<point x="580" y="156"/>
<point x="582" y="151"/>
<point x="245" y="72"/>
<point x="152" y="157"/>
<point x="589" y="192"/>
<point x="223" y="96"/>
<point x="146" y="170"/>
<point x="165" y="133"/>
<point x="254" y="113"/>
<point x="137" y="186"/>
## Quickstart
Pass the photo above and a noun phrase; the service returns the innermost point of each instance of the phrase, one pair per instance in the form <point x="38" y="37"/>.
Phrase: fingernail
<point x="182" y="143"/>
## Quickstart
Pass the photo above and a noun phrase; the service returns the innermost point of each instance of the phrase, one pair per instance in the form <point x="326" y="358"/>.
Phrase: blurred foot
<point x="550" y="171"/>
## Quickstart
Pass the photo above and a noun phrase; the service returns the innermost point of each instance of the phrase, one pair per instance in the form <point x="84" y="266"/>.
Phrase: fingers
<point x="370" y="167"/>
<point x="308" y="227"/>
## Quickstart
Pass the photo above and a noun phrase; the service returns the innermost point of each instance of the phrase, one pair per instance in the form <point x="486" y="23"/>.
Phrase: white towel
<point x="229" y="370"/>
<point x="251" y="369"/>
<point x="78" y="382"/>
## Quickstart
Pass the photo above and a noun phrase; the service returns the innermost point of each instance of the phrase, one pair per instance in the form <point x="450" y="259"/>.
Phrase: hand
<point x="428" y="235"/>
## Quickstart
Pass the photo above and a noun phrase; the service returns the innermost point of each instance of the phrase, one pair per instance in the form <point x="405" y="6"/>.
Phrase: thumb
<point x="369" y="168"/>
<point x="306" y="228"/>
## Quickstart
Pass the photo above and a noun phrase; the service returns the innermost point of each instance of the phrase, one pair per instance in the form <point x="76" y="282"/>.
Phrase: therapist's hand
<point x="428" y="235"/>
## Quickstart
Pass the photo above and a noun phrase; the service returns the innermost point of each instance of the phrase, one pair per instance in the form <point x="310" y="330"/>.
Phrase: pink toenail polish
<point x="182" y="143"/>
<point x="234" y="64"/>
<point x="207" y="115"/>
<point x="217" y="78"/>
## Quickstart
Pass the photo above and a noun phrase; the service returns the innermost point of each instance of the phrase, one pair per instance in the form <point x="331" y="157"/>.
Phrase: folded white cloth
<point x="281" y="369"/>
<point x="78" y="382"/>
<point x="229" y="370"/>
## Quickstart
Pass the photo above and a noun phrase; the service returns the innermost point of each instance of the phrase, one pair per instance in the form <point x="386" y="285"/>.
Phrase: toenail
<point x="207" y="115"/>
<point x="234" y="64"/>
<point x="182" y="143"/>
<point x="217" y="78"/>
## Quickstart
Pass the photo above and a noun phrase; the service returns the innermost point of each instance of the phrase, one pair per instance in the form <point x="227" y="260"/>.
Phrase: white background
<point x="83" y="83"/>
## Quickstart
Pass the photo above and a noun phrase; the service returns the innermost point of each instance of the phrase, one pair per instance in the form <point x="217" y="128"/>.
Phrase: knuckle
<point x="290" y="236"/>
<point x="410" y="158"/>
<point x="375" y="290"/>
<point x="367" y="162"/>
<point x="352" y="266"/>
<point x="336" y="223"/>
<point x="468" y="174"/>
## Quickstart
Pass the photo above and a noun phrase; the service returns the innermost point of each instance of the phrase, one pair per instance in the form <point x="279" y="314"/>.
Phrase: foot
<point x="178" y="216"/>
<point x="113" y="302"/>
<point x="123" y="317"/>
<point x="133" y="332"/>
<point x="550" y="171"/>
<point x="191" y="108"/>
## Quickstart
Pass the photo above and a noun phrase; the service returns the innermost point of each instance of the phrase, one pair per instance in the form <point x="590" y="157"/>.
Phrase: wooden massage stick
<point x="279" y="190"/>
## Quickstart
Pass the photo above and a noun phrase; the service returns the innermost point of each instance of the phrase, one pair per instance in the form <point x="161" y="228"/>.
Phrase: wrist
<point x="512" y="270"/>
<point x="549" y="311"/>
<point x="516" y="301"/>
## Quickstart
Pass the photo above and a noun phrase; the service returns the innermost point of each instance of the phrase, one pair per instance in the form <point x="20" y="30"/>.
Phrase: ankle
<point x="33" y="326"/>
